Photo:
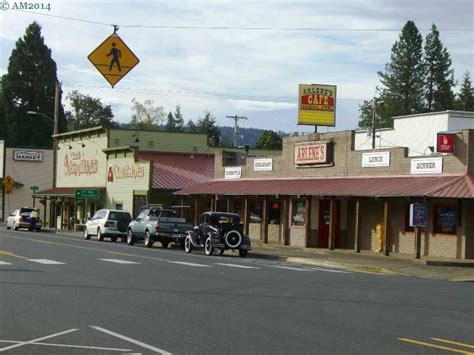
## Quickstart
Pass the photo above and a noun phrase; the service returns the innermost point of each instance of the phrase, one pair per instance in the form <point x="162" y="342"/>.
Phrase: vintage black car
<point x="218" y="232"/>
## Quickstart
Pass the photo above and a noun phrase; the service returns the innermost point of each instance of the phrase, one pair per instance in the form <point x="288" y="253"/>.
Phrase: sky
<point x="252" y="66"/>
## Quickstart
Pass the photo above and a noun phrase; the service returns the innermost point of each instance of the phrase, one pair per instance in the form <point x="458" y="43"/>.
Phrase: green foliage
<point x="29" y="85"/>
<point x="190" y="127"/>
<point x="3" y="125"/>
<point x="146" y="116"/>
<point x="269" y="140"/>
<point x="207" y="125"/>
<point x="465" y="99"/>
<point x="175" y="122"/>
<point x="439" y="81"/>
<point x="88" y="111"/>
<point x="365" y="115"/>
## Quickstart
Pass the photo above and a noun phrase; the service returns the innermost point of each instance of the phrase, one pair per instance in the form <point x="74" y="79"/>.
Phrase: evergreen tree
<point x="170" y="123"/>
<point x="3" y="126"/>
<point x="269" y="140"/>
<point x="207" y="125"/>
<point x="465" y="99"/>
<point x="29" y="85"/>
<point x="88" y="111"/>
<point x="439" y="80"/>
<point x="178" y="119"/>
<point x="190" y="127"/>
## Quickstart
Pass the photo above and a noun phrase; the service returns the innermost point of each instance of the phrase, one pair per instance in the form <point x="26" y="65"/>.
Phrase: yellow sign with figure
<point x="113" y="59"/>
<point x="8" y="183"/>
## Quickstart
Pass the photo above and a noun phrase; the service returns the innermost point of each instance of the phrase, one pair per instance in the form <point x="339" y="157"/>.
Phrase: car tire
<point x="233" y="239"/>
<point x="8" y="228"/>
<point x="38" y="229"/>
<point x="164" y="245"/>
<point x="221" y="251"/>
<point x="243" y="253"/>
<point x="208" y="248"/>
<point x="100" y="237"/>
<point x="87" y="236"/>
<point x="188" y="244"/>
<point x="130" y="237"/>
<point x="148" y="242"/>
<point x="113" y="239"/>
<point x="15" y="227"/>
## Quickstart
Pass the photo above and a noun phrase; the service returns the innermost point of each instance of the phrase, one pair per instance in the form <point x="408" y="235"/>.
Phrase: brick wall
<point x="274" y="233"/>
<point x="298" y="236"/>
<point x="255" y="231"/>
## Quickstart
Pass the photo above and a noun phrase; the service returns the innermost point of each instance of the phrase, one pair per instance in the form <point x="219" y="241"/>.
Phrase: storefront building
<point x="323" y="193"/>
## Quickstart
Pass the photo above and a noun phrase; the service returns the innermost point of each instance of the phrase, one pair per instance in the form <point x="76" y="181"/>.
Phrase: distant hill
<point x="246" y="136"/>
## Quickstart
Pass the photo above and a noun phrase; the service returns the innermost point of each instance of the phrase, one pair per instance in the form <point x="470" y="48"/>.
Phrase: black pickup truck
<point x="158" y="224"/>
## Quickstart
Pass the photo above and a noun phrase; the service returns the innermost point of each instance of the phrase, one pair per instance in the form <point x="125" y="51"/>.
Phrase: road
<point x="64" y="295"/>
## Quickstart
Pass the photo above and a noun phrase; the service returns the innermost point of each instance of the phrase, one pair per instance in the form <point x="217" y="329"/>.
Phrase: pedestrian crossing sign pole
<point x="113" y="59"/>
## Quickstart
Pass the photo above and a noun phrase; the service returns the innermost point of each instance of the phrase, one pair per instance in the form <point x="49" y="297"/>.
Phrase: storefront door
<point x="324" y="217"/>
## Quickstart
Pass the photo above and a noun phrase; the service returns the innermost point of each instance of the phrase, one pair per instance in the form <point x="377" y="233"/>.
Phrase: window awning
<point x="447" y="186"/>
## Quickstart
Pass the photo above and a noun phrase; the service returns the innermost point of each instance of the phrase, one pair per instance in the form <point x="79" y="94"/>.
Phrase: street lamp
<point x="40" y="114"/>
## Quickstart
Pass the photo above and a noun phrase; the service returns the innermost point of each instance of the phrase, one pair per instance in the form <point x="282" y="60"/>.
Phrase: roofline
<point x="79" y="132"/>
<point x="129" y="148"/>
<point x="466" y="113"/>
<point x="152" y="131"/>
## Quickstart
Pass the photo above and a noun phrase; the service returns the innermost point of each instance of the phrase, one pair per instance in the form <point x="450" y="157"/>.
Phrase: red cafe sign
<point x="444" y="143"/>
<point x="313" y="153"/>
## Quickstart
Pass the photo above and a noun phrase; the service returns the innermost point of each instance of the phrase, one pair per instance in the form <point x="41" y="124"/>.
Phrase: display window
<point x="298" y="212"/>
<point x="256" y="211"/>
<point x="445" y="219"/>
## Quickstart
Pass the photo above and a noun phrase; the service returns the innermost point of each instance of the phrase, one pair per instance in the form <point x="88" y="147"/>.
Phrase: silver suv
<point x="108" y="223"/>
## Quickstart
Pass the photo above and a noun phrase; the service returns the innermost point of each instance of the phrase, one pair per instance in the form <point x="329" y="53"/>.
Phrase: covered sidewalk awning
<point x="446" y="186"/>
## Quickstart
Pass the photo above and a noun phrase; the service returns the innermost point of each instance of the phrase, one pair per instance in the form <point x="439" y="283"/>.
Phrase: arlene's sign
<point x="27" y="155"/>
<point x="444" y="142"/>
<point x="312" y="153"/>
<point x="317" y="105"/>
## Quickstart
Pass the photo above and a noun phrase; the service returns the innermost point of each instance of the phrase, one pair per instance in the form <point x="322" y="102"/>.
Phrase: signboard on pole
<point x="92" y="194"/>
<point x="317" y="105"/>
<point x="8" y="183"/>
<point x="418" y="215"/>
<point x="444" y="142"/>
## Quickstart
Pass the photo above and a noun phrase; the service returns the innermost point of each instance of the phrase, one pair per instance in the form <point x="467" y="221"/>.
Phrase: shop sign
<point x="234" y="172"/>
<point x="313" y="153"/>
<point x="263" y="165"/>
<point x="427" y="166"/>
<point x="317" y="105"/>
<point x="444" y="142"/>
<point x="125" y="172"/>
<point x="418" y="215"/>
<point x="27" y="155"/>
<point x="372" y="160"/>
<point x="75" y="164"/>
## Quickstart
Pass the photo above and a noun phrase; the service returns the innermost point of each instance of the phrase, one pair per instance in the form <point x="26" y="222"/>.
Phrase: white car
<point x="21" y="219"/>
<point x="108" y="223"/>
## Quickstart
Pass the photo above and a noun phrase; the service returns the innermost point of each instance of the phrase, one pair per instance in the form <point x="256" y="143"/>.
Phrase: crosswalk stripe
<point x="4" y="263"/>
<point x="118" y="261"/>
<point x="188" y="264"/>
<point x="46" y="261"/>
<point x="289" y="268"/>
<point x="238" y="266"/>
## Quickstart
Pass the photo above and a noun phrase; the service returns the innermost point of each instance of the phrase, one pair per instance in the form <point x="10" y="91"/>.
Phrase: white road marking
<point x="239" y="266"/>
<point x="68" y="346"/>
<point x="133" y="341"/>
<point x="23" y="343"/>
<point x="4" y="263"/>
<point x="330" y="270"/>
<point x="118" y="261"/>
<point x="188" y="264"/>
<point x="288" y="268"/>
<point x="46" y="261"/>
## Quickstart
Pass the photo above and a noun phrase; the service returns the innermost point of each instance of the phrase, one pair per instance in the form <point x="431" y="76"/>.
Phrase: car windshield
<point x="119" y="216"/>
<point x="224" y="219"/>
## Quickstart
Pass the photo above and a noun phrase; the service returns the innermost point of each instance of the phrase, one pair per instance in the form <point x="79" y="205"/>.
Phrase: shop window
<point x="256" y="212"/>
<point x="119" y="205"/>
<point x="445" y="219"/>
<point x="298" y="212"/>
<point x="233" y="158"/>
<point x="222" y="205"/>
<point x="274" y="212"/>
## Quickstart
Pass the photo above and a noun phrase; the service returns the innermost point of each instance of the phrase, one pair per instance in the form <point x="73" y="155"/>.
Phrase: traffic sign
<point x="34" y="188"/>
<point x="113" y="59"/>
<point x="86" y="193"/>
<point x="8" y="181"/>
<point x="8" y="190"/>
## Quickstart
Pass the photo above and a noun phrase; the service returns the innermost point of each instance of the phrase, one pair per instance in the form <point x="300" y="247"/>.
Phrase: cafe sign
<point x="373" y="160"/>
<point x="263" y="165"/>
<point x="427" y="166"/>
<point x="234" y="172"/>
<point x="27" y="155"/>
<point x="312" y="153"/>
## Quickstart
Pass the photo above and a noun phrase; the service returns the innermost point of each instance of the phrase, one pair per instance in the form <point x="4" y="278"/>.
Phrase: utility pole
<point x="373" y="123"/>
<point x="57" y="90"/>
<point x="236" y="126"/>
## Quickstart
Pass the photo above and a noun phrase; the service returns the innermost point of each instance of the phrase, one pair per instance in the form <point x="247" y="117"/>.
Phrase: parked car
<point x="108" y="223"/>
<point x="158" y="224"/>
<point x="21" y="219"/>
<point x="218" y="231"/>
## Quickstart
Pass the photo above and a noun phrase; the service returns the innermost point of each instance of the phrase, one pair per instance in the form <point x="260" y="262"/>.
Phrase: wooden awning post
<point x="246" y="216"/>
<point x="228" y="204"/>
<point x="286" y="221"/>
<point x="264" y="224"/>
<point x="356" y="228"/>
<point x="307" y="221"/>
<point x="386" y="236"/>
<point x="417" y="251"/>
<point x="332" y="224"/>
<point x="196" y="209"/>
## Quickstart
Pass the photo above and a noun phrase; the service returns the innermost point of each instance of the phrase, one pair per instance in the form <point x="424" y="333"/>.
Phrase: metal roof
<point x="448" y="186"/>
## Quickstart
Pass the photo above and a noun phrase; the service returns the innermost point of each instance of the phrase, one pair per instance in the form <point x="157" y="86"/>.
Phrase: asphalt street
<point x="64" y="295"/>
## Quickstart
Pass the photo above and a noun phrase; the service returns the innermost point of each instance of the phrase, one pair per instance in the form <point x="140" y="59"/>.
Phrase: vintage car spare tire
<point x="233" y="239"/>
<point x="122" y="225"/>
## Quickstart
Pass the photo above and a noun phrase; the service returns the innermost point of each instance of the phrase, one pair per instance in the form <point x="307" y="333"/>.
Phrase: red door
<point x="324" y="217"/>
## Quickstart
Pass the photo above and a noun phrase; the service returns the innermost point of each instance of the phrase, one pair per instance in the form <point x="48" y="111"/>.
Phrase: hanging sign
<point x="234" y="172"/>
<point x="372" y="160"/>
<point x="444" y="142"/>
<point x="317" y="105"/>
<point x="427" y="166"/>
<point x="113" y="59"/>
<point x="418" y="215"/>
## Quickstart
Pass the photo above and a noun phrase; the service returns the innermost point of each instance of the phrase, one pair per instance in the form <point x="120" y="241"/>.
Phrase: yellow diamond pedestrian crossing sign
<point x="113" y="59"/>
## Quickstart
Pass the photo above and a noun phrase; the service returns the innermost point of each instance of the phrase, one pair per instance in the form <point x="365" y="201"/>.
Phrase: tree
<point x="365" y="114"/>
<point x="190" y="127"/>
<point x="88" y="111"/>
<point x="465" y="99"/>
<point x="269" y="140"/>
<point x="439" y="81"/>
<point x="3" y="125"/>
<point x="29" y="85"/>
<point x="170" y="123"/>
<point x="207" y="125"/>
<point x="178" y="119"/>
<point x="146" y="116"/>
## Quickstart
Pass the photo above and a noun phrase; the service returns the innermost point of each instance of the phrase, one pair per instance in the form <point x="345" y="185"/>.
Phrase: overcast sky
<point x="252" y="73"/>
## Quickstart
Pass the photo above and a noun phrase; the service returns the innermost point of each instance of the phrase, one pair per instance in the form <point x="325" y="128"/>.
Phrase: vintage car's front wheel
<point x="188" y="244"/>
<point x="233" y="239"/>
<point x="243" y="253"/>
<point x="208" y="248"/>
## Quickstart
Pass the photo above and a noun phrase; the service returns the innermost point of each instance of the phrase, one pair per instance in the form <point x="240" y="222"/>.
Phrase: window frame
<point x="435" y="209"/>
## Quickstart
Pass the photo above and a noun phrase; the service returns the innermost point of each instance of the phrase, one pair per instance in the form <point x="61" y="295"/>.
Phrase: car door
<point x="92" y="224"/>
<point x="139" y="228"/>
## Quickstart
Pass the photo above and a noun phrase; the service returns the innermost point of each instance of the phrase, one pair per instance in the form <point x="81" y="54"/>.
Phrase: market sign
<point x="418" y="215"/>
<point x="27" y="155"/>
<point x="427" y="166"/>
<point x="86" y="194"/>
<point x="234" y="172"/>
<point x="312" y="153"/>
<point x="263" y="165"/>
<point x="372" y="160"/>
<point x="444" y="142"/>
<point x="317" y="105"/>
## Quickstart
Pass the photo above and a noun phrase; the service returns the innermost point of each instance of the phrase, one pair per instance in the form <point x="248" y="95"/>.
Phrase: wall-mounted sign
<point x="312" y="153"/>
<point x="418" y="215"/>
<point x="371" y="160"/>
<point x="317" y="105"/>
<point x="27" y="155"/>
<point x="444" y="142"/>
<point x="427" y="166"/>
<point x="234" y="172"/>
<point x="263" y="165"/>
<point x="75" y="164"/>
